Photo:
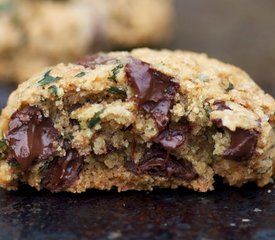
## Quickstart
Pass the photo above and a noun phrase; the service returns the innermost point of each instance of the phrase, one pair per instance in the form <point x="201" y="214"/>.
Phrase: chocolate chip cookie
<point x="138" y="120"/>
<point x="35" y="34"/>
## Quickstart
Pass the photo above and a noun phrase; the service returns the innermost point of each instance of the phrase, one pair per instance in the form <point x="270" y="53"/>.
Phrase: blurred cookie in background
<point x="39" y="33"/>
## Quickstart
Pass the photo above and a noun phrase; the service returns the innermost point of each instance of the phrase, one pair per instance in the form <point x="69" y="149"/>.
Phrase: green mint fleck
<point x="48" y="79"/>
<point x="3" y="147"/>
<point x="43" y="167"/>
<point x="95" y="120"/>
<point x="79" y="75"/>
<point x="203" y="77"/>
<point x="3" y="144"/>
<point x="14" y="164"/>
<point x="230" y="87"/>
<point x="116" y="90"/>
<point x="115" y="71"/>
<point x="207" y="110"/>
<point x="54" y="90"/>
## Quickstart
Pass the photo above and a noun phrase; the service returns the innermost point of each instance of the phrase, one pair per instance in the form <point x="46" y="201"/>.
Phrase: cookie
<point x="137" y="120"/>
<point x="35" y="34"/>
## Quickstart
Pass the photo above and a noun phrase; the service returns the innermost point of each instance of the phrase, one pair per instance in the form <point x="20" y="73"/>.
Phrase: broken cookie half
<point x="137" y="120"/>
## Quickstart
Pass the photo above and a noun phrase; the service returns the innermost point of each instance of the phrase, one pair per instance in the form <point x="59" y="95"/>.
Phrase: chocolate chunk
<point x="158" y="162"/>
<point x="221" y="105"/>
<point x="243" y="144"/>
<point x="70" y="102"/>
<point x="63" y="171"/>
<point x="174" y="136"/>
<point x="70" y="108"/>
<point x="30" y="136"/>
<point x="74" y="122"/>
<point x="170" y="139"/>
<point x="110" y="147"/>
<point x="218" y="123"/>
<point x="94" y="60"/>
<point x="155" y="91"/>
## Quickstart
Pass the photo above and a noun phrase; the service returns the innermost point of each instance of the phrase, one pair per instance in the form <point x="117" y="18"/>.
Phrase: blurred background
<point x="240" y="32"/>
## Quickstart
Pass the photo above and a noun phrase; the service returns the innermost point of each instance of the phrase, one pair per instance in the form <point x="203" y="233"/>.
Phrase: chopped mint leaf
<point x="14" y="164"/>
<point x="79" y="75"/>
<point x="3" y="144"/>
<point x="115" y="71"/>
<point x="54" y="90"/>
<point x="116" y="90"/>
<point x="207" y="110"/>
<point x="43" y="167"/>
<point x="230" y="87"/>
<point x="95" y="120"/>
<point x="48" y="79"/>
<point x="203" y="77"/>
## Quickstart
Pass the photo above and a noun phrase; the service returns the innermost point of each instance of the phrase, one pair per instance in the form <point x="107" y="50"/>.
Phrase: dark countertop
<point x="238" y="32"/>
<point x="227" y="213"/>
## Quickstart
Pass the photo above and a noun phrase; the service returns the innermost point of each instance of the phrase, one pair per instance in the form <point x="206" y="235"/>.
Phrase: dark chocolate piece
<point x="157" y="162"/>
<point x="170" y="138"/>
<point x="71" y="107"/>
<point x="155" y="91"/>
<point x="74" y="122"/>
<point x="174" y="136"/>
<point x="243" y="144"/>
<point x="218" y="123"/>
<point x="30" y="136"/>
<point x="94" y="60"/>
<point x="63" y="171"/>
<point x="110" y="147"/>
<point x="221" y="105"/>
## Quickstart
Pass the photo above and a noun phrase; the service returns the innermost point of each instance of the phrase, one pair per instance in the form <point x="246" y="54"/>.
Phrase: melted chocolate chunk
<point x="94" y="60"/>
<point x="243" y="144"/>
<point x="221" y="105"/>
<point x="155" y="91"/>
<point x="158" y="162"/>
<point x="174" y="136"/>
<point x="63" y="171"/>
<point x="170" y="138"/>
<point x="30" y="136"/>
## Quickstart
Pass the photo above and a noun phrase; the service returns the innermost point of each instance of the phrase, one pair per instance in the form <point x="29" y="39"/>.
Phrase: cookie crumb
<point x="257" y="210"/>
<point x="114" y="235"/>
